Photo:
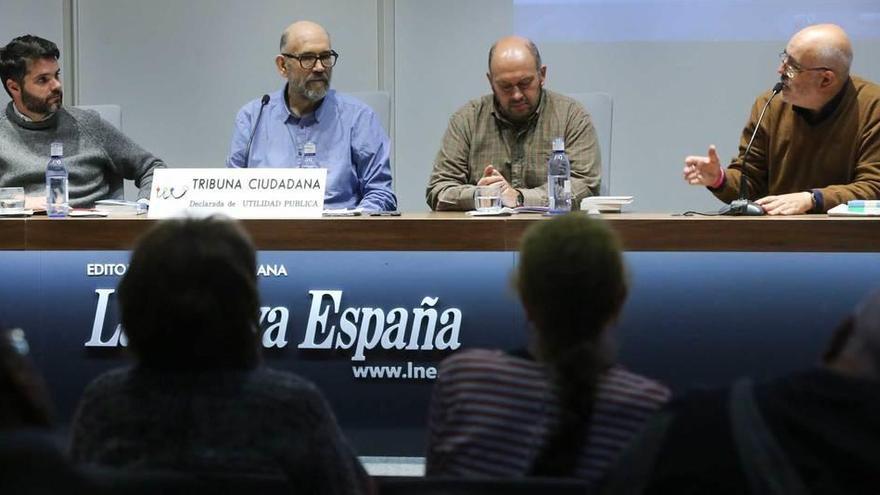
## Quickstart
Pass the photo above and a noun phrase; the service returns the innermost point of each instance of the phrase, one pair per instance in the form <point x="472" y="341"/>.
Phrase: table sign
<point x="238" y="192"/>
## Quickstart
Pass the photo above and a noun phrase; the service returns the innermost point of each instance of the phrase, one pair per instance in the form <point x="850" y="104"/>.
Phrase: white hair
<point x="835" y="57"/>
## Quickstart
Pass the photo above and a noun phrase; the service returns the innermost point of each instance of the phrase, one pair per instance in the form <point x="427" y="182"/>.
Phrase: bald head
<point x="514" y="49"/>
<point x="306" y="61"/>
<point x="303" y="32"/>
<point x="825" y="45"/>
<point x="516" y="77"/>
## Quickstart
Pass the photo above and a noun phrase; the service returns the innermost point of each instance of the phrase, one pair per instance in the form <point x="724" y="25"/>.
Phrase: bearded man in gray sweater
<point x="97" y="155"/>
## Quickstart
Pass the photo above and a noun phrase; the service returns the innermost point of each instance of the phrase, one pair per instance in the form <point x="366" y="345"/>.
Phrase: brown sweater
<point x="839" y="155"/>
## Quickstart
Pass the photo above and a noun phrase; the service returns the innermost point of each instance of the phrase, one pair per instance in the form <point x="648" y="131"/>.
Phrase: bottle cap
<point x="558" y="144"/>
<point x="309" y="148"/>
<point x="57" y="149"/>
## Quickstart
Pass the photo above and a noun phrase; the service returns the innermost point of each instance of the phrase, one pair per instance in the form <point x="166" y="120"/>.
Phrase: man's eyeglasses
<point x="791" y="69"/>
<point x="308" y="60"/>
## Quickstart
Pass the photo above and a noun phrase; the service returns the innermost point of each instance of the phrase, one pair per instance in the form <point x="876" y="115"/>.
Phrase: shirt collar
<point x="317" y="115"/>
<point x="496" y="112"/>
<point x="827" y="110"/>
<point x="25" y="118"/>
<point x="23" y="121"/>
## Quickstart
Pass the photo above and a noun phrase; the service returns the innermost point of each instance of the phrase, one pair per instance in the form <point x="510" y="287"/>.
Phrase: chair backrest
<point x="33" y="462"/>
<point x="480" y="486"/>
<point x="113" y="481"/>
<point x="110" y="113"/>
<point x="380" y="102"/>
<point x="601" y="108"/>
<point x="113" y="115"/>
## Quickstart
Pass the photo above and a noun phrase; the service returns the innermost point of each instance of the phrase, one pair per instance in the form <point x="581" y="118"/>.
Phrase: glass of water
<point x="11" y="199"/>
<point x="488" y="198"/>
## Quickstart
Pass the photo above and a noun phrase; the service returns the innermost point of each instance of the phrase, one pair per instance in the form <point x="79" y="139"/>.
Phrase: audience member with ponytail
<point x="561" y="407"/>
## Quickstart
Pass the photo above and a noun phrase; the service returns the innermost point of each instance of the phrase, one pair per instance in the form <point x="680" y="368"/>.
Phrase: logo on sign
<point x="172" y="192"/>
<point x="331" y="326"/>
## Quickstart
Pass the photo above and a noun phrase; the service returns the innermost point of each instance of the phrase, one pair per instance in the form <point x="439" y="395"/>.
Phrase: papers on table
<point x="605" y="204"/>
<point x="116" y="202"/>
<point x="848" y="210"/>
<point x="16" y="212"/>
<point x="496" y="212"/>
<point x="118" y="207"/>
<point x="87" y="212"/>
<point x="592" y="204"/>
<point x="73" y="212"/>
<point x="343" y="212"/>
<point x="531" y="209"/>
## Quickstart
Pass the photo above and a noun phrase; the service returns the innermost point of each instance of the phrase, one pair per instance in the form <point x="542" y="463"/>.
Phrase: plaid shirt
<point x="478" y="135"/>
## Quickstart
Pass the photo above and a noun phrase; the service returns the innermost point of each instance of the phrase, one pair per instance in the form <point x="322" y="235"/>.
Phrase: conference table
<point x="366" y="307"/>
<point x="455" y="231"/>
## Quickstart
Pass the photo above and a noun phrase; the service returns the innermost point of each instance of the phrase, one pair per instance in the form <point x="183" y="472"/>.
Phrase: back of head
<point x="189" y="299"/>
<point x="24" y="399"/>
<point x="15" y="56"/>
<point x="571" y="280"/>
<point x="572" y="283"/>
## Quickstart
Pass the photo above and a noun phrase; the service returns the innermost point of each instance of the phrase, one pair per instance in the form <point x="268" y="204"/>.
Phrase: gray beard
<point x="314" y="95"/>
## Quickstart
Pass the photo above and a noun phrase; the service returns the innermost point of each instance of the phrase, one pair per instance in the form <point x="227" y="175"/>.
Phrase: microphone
<point x="742" y="206"/>
<point x="247" y="151"/>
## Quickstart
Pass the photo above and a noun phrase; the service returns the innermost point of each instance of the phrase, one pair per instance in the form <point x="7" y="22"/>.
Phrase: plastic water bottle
<point x="56" y="183"/>
<point x="309" y="160"/>
<point x="559" y="179"/>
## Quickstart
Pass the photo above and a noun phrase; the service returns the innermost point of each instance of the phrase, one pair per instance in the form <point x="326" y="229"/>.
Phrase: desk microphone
<point x="742" y="206"/>
<point x="247" y="151"/>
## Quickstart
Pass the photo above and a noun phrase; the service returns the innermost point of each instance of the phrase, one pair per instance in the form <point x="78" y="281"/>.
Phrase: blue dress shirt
<point x="350" y="142"/>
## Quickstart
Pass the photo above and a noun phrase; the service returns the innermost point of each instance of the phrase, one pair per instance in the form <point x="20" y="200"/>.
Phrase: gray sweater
<point x="97" y="155"/>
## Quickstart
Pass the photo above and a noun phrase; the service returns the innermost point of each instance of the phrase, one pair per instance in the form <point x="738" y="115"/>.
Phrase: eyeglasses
<point x="791" y="69"/>
<point x="308" y="60"/>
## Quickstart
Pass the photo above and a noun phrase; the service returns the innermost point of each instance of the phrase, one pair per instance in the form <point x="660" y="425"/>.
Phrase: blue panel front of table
<point x="369" y="327"/>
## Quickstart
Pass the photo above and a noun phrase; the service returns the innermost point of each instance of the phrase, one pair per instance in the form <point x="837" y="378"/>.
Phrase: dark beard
<point x="40" y="106"/>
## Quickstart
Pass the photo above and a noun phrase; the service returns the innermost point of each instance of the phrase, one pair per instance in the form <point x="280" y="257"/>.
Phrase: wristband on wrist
<point x="818" y="201"/>
<point x="720" y="182"/>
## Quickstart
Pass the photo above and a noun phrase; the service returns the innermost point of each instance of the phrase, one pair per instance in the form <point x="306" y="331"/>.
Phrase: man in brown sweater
<point x="819" y="144"/>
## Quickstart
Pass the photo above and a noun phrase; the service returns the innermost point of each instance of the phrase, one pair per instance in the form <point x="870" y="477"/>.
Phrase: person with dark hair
<point x="97" y="155"/>
<point x="198" y="399"/>
<point x="814" y="431"/>
<point x="24" y="398"/>
<point x="561" y="407"/>
<point x="31" y="460"/>
<point x="505" y="137"/>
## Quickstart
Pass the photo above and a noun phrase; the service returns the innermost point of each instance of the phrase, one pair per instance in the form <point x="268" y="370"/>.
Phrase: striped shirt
<point x="491" y="411"/>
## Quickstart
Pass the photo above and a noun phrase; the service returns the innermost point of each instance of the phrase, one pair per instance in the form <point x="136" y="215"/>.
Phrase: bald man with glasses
<point x="346" y="134"/>
<point x="818" y="145"/>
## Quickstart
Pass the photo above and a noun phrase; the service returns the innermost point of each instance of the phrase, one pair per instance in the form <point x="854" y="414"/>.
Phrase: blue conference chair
<point x="113" y="115"/>
<point x="380" y="102"/>
<point x="601" y="108"/>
